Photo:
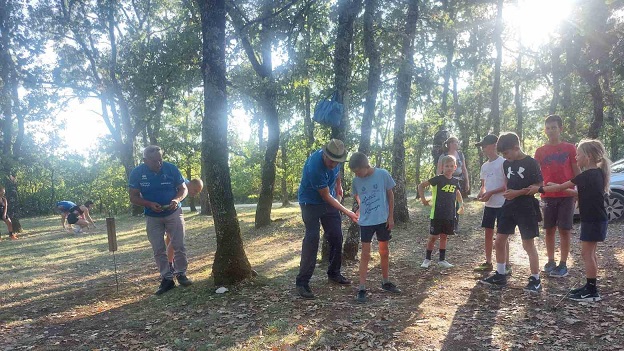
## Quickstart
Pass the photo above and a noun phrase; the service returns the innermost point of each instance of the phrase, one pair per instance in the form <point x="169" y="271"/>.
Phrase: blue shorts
<point x="594" y="231"/>
<point x="490" y="216"/>
<point x="367" y="232"/>
<point x="442" y="226"/>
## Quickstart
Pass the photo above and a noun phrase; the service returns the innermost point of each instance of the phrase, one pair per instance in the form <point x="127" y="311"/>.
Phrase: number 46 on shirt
<point x="449" y="188"/>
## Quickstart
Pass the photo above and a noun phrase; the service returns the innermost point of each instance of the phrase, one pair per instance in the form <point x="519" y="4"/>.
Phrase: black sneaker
<point x="577" y="290"/>
<point x="305" y="292"/>
<point x="549" y="266"/>
<point x="585" y="295"/>
<point x="496" y="279"/>
<point x="534" y="285"/>
<point x="165" y="285"/>
<point x="361" y="296"/>
<point x="339" y="279"/>
<point x="390" y="287"/>
<point x="184" y="280"/>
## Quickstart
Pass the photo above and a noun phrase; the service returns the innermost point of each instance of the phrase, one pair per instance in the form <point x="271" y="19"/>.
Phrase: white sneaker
<point x="425" y="263"/>
<point x="444" y="264"/>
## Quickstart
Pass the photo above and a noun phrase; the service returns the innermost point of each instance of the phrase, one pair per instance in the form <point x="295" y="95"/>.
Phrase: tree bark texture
<point x="498" y="41"/>
<point x="403" y="90"/>
<point x="230" y="264"/>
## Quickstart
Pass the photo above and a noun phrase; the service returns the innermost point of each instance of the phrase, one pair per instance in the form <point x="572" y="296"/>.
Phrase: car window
<point x="618" y="167"/>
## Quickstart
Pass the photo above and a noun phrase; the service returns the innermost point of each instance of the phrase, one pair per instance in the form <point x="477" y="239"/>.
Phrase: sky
<point x="536" y="19"/>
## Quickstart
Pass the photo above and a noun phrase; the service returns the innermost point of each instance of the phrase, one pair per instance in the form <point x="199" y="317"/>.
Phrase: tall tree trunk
<point x="13" y="210"/>
<point x="285" y="193"/>
<point x="404" y="89"/>
<point x="498" y="40"/>
<point x="371" y="19"/>
<point x="347" y="13"/>
<point x="204" y="197"/>
<point x="518" y="97"/>
<point x="230" y="264"/>
<point x="555" y="58"/>
<point x="308" y="125"/>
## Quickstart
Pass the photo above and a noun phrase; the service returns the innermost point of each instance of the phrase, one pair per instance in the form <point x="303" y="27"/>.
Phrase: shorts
<point x="528" y="225"/>
<point x="367" y="232"/>
<point x="72" y="218"/>
<point x="490" y="215"/>
<point x="594" y="231"/>
<point x="558" y="212"/>
<point x="442" y="226"/>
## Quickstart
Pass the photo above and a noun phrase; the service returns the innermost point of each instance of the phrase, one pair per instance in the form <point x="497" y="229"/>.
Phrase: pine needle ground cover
<point x="58" y="292"/>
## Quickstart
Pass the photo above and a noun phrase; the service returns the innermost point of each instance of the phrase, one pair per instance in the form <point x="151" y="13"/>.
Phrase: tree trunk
<point x="498" y="40"/>
<point x="403" y="88"/>
<point x="371" y="18"/>
<point x="308" y="125"/>
<point x="555" y="57"/>
<point x="13" y="209"/>
<point x="518" y="97"/>
<point x="285" y="193"/>
<point x="230" y="264"/>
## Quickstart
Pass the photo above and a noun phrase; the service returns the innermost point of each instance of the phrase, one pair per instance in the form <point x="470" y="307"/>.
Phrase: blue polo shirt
<point x="316" y="176"/>
<point x="65" y="205"/>
<point x="159" y="187"/>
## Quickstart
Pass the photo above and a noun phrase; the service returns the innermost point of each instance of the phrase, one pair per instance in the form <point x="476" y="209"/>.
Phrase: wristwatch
<point x="541" y="190"/>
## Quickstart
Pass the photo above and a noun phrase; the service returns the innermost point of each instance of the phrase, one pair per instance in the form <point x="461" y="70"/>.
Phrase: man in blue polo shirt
<point x="63" y="207"/>
<point x="159" y="187"/>
<point x="320" y="192"/>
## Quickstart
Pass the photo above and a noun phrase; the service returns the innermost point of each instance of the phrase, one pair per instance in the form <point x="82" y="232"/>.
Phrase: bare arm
<point x="180" y="195"/>
<point x="338" y="188"/>
<point x="421" y="192"/>
<point x="136" y="199"/>
<point x="554" y="187"/>
<point x="326" y="196"/>
<point x="87" y="216"/>
<point x="6" y="207"/>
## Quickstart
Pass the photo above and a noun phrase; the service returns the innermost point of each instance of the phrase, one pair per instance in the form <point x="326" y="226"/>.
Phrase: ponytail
<point x="605" y="166"/>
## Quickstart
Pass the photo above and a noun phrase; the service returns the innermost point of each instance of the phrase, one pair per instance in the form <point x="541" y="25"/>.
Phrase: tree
<point x="498" y="42"/>
<point x="403" y="89"/>
<point x="230" y="264"/>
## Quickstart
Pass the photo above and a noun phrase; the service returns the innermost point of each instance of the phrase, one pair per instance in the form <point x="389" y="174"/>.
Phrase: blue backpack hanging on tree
<point x="328" y="111"/>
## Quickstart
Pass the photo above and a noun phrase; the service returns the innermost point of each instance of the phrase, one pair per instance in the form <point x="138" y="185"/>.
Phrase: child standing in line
<point x="4" y="205"/>
<point x="372" y="188"/>
<point x="592" y="184"/>
<point x="492" y="188"/>
<point x="520" y="209"/>
<point x="445" y="196"/>
<point x="558" y="165"/>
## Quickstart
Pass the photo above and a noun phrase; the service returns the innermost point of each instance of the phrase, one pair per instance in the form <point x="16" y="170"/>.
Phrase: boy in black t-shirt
<point x="445" y="192"/>
<point x="520" y="209"/>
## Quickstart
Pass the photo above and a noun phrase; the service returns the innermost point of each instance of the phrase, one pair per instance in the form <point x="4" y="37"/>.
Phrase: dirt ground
<point x="58" y="292"/>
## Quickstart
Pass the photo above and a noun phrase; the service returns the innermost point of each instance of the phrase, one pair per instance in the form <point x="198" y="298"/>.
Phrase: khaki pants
<point x="173" y="224"/>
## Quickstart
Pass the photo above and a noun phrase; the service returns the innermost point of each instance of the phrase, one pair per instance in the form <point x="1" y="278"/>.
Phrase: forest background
<point x="178" y="73"/>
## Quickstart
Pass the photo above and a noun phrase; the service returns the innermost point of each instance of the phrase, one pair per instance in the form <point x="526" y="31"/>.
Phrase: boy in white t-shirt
<point x="492" y="188"/>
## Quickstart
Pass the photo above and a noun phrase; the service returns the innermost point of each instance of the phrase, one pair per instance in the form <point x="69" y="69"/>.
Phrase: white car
<point x="615" y="201"/>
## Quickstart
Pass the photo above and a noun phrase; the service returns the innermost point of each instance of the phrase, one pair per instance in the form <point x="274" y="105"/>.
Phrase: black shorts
<point x="442" y="226"/>
<point x="72" y="218"/>
<point x="594" y="231"/>
<point x="490" y="216"/>
<point x="367" y="232"/>
<point x="527" y="224"/>
<point x="558" y="212"/>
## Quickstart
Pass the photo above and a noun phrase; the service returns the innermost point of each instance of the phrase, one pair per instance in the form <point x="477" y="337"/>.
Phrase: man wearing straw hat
<point x="320" y="192"/>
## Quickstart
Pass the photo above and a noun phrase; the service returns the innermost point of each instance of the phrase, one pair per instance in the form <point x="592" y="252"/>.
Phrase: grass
<point x="59" y="293"/>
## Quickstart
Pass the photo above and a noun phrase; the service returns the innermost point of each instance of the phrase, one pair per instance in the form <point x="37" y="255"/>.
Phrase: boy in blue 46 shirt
<point x="372" y="188"/>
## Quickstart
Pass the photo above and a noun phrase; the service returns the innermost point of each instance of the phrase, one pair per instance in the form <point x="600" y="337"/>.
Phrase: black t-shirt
<point x="444" y="197"/>
<point x="590" y="185"/>
<point x="521" y="174"/>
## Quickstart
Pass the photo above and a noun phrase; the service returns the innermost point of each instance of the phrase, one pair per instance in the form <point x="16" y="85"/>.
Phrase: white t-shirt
<point x="493" y="175"/>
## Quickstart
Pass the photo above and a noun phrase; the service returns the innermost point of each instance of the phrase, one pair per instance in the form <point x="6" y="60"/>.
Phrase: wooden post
<point x="112" y="243"/>
<point x="112" y="234"/>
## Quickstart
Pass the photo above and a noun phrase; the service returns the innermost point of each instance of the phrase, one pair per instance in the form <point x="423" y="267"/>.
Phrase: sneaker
<point x="445" y="264"/>
<point x="559" y="272"/>
<point x="361" y="296"/>
<point x="548" y="267"/>
<point x="339" y="279"/>
<point x="585" y="295"/>
<point x="495" y="279"/>
<point x="577" y="290"/>
<point x="305" y="292"/>
<point x="165" y="285"/>
<point x="508" y="270"/>
<point x="425" y="263"/>
<point x="534" y="285"/>
<point x="484" y="267"/>
<point x="390" y="287"/>
<point x="184" y="280"/>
